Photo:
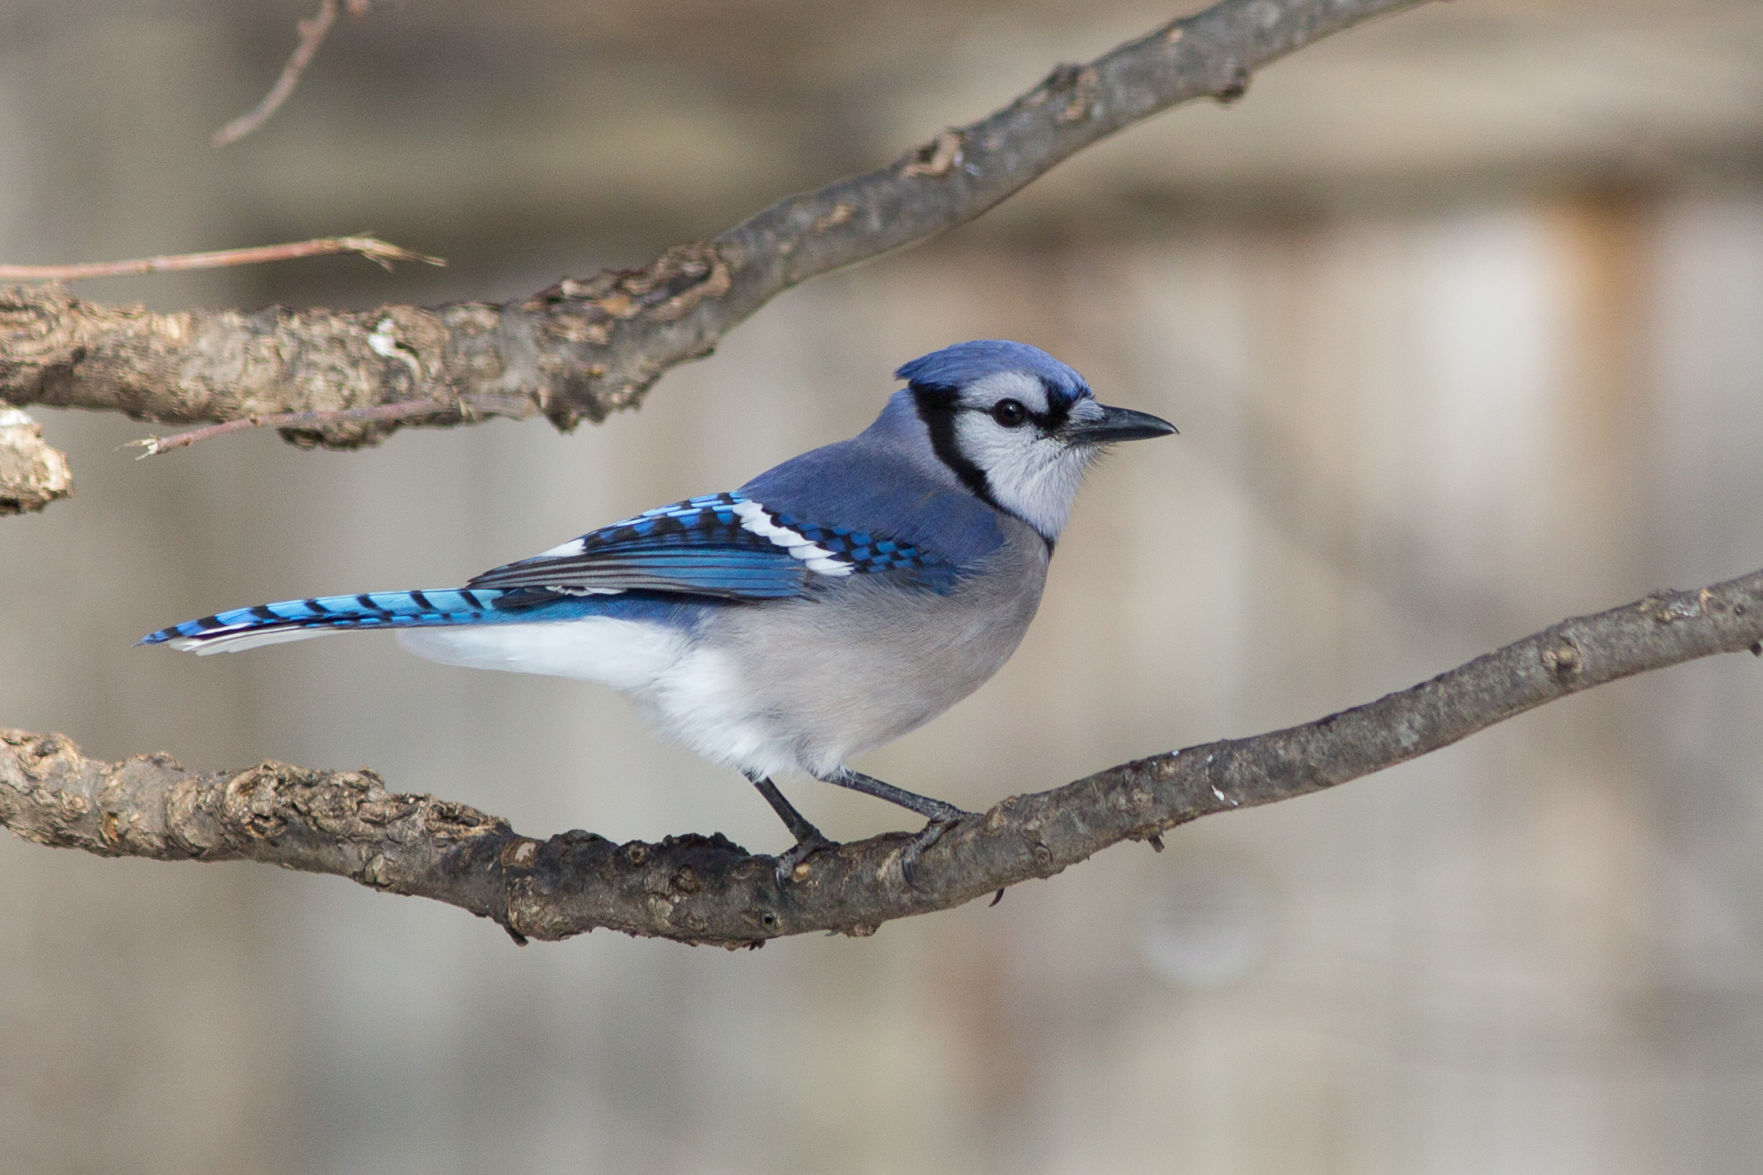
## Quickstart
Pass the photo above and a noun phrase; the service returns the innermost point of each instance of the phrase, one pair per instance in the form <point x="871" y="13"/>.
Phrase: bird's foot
<point x="789" y="861"/>
<point x="940" y="823"/>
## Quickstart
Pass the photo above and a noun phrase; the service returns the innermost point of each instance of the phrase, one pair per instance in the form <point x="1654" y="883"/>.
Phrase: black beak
<point x="1117" y="424"/>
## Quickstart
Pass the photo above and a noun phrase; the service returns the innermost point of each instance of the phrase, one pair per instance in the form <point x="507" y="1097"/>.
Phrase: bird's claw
<point x="932" y="832"/>
<point x="796" y="856"/>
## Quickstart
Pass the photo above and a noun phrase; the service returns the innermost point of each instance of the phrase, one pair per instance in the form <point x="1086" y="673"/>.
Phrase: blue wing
<point x="726" y="546"/>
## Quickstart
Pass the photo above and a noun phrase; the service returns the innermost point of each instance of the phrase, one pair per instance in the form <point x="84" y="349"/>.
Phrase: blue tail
<point x="291" y="620"/>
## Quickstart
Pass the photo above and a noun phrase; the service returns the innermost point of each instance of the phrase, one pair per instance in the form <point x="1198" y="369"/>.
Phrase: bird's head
<point x="1017" y="426"/>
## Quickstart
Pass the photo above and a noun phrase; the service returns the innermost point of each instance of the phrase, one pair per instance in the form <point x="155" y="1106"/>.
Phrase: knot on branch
<point x="935" y="159"/>
<point x="1077" y="86"/>
<point x="1563" y="662"/>
<point x="1233" y="87"/>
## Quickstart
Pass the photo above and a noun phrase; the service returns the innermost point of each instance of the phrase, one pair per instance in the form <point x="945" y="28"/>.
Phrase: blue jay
<point x="826" y="607"/>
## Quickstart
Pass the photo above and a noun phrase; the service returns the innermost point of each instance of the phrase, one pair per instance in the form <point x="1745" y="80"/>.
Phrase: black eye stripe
<point x="936" y="407"/>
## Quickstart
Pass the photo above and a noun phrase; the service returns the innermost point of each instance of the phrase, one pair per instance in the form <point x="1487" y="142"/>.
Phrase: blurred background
<point x="1461" y="316"/>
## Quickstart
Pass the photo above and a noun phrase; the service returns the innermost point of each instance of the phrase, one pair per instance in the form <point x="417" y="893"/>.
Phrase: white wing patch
<point x="574" y="546"/>
<point x="758" y="520"/>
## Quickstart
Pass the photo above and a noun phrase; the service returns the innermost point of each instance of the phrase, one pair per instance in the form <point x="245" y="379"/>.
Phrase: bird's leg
<point x="809" y="839"/>
<point x="942" y="816"/>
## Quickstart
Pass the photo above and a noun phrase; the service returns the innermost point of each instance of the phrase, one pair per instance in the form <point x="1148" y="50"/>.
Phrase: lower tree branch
<point x="700" y="889"/>
<point x="582" y="349"/>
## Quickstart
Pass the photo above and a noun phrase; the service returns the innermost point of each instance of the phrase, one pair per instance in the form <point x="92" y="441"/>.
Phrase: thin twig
<point x="404" y="412"/>
<point x="312" y="31"/>
<point x="381" y="253"/>
<point x="410" y="409"/>
<point x="709" y="890"/>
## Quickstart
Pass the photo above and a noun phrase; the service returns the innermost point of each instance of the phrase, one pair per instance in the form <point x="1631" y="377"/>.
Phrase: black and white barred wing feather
<point x="718" y="547"/>
<point x="723" y="546"/>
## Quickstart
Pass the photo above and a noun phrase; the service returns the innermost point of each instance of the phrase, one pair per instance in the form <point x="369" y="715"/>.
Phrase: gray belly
<point x="863" y="663"/>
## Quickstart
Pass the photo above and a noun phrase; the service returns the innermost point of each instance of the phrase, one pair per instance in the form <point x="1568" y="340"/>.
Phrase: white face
<point x="1031" y="471"/>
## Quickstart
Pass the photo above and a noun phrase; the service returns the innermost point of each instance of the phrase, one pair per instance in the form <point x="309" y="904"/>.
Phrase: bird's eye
<point x="1009" y="413"/>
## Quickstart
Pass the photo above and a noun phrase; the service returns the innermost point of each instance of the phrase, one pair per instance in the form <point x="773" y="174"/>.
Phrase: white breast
<point x="691" y="693"/>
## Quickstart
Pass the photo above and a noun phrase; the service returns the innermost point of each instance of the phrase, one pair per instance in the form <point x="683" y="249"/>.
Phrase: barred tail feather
<point x="292" y="620"/>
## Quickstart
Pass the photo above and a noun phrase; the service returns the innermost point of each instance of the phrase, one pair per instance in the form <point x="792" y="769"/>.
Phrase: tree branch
<point x="31" y="473"/>
<point x="699" y="889"/>
<point x="583" y="349"/>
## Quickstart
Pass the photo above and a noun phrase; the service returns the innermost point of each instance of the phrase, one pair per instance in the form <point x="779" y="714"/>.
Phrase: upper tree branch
<point x="707" y="889"/>
<point x="584" y="348"/>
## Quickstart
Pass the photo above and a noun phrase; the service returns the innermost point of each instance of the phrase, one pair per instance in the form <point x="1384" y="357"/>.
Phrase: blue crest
<point x="959" y="365"/>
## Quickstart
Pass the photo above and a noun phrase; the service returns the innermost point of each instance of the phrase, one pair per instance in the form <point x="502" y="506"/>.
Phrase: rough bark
<point x="31" y="473"/>
<point x="582" y="349"/>
<point x="700" y="889"/>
